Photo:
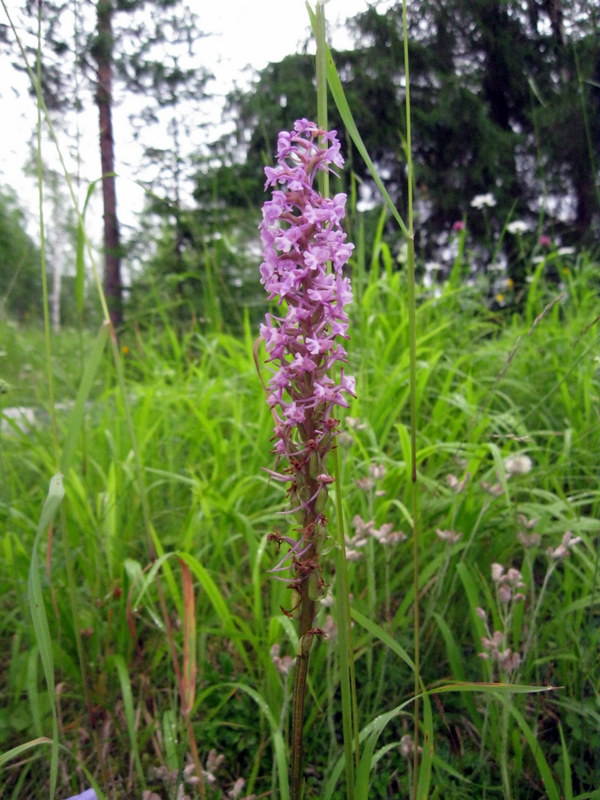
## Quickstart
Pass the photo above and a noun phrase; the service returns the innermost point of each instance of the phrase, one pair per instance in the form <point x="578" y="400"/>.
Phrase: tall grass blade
<point x="118" y="662"/>
<point x="39" y="617"/>
<point x="338" y="94"/>
<point x="276" y="736"/>
<point x="92" y="364"/>
<point x="552" y="790"/>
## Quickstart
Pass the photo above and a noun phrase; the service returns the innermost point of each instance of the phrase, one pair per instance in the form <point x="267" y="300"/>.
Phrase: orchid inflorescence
<point x="305" y="250"/>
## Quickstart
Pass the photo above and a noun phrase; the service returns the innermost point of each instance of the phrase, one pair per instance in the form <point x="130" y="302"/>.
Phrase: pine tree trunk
<point x="103" y="53"/>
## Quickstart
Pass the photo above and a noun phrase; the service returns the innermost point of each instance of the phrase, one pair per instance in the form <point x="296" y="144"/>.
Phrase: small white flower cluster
<point x="494" y="644"/>
<point x="517" y="227"/>
<point x="448" y="536"/>
<point x="355" y="424"/>
<point x="407" y="746"/>
<point x="376" y="473"/>
<point x="562" y="551"/>
<point x="172" y="777"/>
<point x="527" y="537"/>
<point x="282" y="665"/>
<point x="495" y="489"/>
<point x="483" y="201"/>
<point x="517" y="464"/>
<point x="507" y="582"/>
<point x="531" y="538"/>
<point x="384" y="535"/>
<point x="496" y="649"/>
<point x="457" y="485"/>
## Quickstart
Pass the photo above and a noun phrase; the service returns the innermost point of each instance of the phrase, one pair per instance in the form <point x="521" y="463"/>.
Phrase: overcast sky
<point x="243" y="33"/>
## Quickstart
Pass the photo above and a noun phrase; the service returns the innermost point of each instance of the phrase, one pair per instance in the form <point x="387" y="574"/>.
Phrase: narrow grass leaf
<point x="55" y="496"/>
<point x="567" y="780"/>
<point x="552" y="790"/>
<point x="427" y="743"/>
<point x="384" y="637"/>
<point x="118" y="662"/>
<point x="338" y="94"/>
<point x="92" y="363"/>
<point x="17" y="752"/>
<point x="230" y="624"/>
<point x="276" y="735"/>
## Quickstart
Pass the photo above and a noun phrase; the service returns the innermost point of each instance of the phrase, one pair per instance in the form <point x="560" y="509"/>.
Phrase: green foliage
<point x="490" y="384"/>
<point x="20" y="278"/>
<point x="198" y="271"/>
<point x="503" y="101"/>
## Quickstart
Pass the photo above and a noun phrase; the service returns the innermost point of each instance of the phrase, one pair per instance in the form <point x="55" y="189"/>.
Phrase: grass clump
<point x="507" y="454"/>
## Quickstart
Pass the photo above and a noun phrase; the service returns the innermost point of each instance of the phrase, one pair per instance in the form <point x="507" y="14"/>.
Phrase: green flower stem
<point x="412" y="327"/>
<point x="507" y="791"/>
<point x="298" y="698"/>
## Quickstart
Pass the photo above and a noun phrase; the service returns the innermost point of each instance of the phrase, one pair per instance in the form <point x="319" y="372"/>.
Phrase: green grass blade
<point x="567" y="780"/>
<point x="92" y="364"/>
<point x="383" y="636"/>
<point x="39" y="617"/>
<point x="338" y="94"/>
<point x="118" y="662"/>
<point x="276" y="735"/>
<point x="20" y="749"/>
<point x="552" y="790"/>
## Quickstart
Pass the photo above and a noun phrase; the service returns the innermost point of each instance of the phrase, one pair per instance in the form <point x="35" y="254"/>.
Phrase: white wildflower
<point x="330" y="627"/>
<point x="376" y="471"/>
<point x="407" y="746"/>
<point x="385" y="534"/>
<point x="282" y="665"/>
<point x="236" y="789"/>
<point x="518" y="464"/>
<point x="528" y="539"/>
<point x="495" y="489"/>
<point x="353" y="555"/>
<point x="508" y="660"/>
<point x="355" y="423"/>
<point x="456" y="484"/>
<point x="483" y="201"/>
<point x="517" y="227"/>
<point x="562" y="551"/>
<point x="361" y="527"/>
<point x="448" y="536"/>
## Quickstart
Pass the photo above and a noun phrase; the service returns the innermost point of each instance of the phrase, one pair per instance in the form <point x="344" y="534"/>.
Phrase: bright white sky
<point x="244" y="33"/>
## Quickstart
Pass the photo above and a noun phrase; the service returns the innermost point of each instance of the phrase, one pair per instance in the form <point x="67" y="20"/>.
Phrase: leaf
<point x="37" y="608"/>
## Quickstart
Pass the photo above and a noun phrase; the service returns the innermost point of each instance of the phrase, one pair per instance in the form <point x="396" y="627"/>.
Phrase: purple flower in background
<point x="89" y="794"/>
<point x="304" y="252"/>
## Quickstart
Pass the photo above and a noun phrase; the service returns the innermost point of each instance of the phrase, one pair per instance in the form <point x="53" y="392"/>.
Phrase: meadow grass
<point x="491" y="384"/>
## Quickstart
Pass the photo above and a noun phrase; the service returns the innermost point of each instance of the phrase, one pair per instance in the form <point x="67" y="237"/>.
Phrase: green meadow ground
<point x="165" y="491"/>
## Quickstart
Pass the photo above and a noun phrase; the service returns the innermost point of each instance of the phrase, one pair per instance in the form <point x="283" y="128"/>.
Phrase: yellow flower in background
<point x="510" y="284"/>
<point x="124" y="350"/>
<point x="499" y="298"/>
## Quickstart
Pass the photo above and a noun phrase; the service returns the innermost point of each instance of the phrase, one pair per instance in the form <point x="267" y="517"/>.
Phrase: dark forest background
<point x="505" y="98"/>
